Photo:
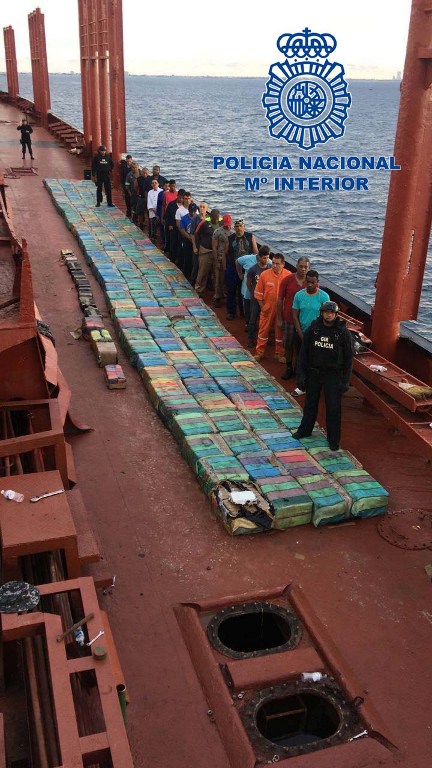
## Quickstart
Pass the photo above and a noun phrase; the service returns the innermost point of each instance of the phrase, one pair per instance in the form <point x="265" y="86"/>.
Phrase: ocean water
<point x="181" y="123"/>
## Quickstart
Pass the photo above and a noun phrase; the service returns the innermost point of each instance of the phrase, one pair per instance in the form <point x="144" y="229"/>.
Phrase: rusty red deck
<point x="160" y="539"/>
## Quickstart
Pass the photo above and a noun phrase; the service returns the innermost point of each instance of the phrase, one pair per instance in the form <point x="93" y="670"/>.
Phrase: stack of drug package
<point x="232" y="421"/>
<point x="367" y="497"/>
<point x="92" y="327"/>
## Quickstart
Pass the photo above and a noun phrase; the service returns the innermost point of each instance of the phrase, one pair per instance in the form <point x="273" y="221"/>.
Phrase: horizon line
<point x="207" y="77"/>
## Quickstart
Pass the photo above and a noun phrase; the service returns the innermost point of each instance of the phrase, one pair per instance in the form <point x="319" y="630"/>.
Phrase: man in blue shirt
<point x="307" y="303"/>
<point x="187" y="228"/>
<point x="242" y="264"/>
<point x="306" y="308"/>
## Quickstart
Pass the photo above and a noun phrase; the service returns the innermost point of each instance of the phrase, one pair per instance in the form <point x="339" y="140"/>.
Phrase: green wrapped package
<point x="228" y="420"/>
<point x="215" y="469"/>
<point x="369" y="498"/>
<point x="198" y="447"/>
<point x="184" y="425"/>
<point x="290" y="503"/>
<point x="260" y="418"/>
<point x="242" y="441"/>
<point x="173" y="404"/>
<point x="330" y="503"/>
<point x="335" y="461"/>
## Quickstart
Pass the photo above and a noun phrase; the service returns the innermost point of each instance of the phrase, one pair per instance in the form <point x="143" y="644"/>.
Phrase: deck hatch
<point x="253" y="629"/>
<point x="298" y="718"/>
<point x="13" y="172"/>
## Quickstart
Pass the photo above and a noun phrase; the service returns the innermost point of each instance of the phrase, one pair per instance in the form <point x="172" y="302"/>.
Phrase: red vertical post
<point x="117" y="85"/>
<point x="14" y="65"/>
<point x="94" y="75"/>
<point x="102" y="18"/>
<point x="34" y="60"/>
<point x="11" y="62"/>
<point x="407" y="224"/>
<point x="85" y="69"/>
<point x="43" y="67"/>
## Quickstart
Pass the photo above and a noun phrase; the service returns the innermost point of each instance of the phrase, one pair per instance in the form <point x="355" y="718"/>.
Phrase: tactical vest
<point x="325" y="346"/>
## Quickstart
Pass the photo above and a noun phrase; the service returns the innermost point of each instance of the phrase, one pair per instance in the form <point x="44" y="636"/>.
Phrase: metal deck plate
<point x="407" y="528"/>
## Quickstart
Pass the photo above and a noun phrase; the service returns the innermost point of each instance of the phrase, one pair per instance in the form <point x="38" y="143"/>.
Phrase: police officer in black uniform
<point x="325" y="361"/>
<point x="102" y="166"/>
<point x="25" y="140"/>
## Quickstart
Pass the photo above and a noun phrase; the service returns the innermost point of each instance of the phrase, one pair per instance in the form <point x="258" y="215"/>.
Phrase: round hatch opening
<point x="298" y="720"/>
<point x="254" y="629"/>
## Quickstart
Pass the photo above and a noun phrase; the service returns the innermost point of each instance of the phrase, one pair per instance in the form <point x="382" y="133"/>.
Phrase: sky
<point x="230" y="38"/>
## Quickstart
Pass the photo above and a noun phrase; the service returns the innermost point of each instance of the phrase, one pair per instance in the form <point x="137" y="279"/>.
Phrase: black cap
<point x="102" y="148"/>
<point x="329" y="306"/>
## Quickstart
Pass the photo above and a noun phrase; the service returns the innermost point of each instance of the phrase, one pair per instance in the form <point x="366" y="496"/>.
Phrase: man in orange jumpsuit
<point x="266" y="293"/>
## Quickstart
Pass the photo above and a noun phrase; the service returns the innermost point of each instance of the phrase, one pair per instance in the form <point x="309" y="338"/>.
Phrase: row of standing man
<point x="311" y="340"/>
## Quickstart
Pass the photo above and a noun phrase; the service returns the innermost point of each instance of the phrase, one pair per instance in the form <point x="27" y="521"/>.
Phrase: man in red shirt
<point x="287" y="290"/>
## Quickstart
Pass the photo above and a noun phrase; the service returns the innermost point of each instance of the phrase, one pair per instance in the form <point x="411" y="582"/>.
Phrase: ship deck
<point x="158" y="535"/>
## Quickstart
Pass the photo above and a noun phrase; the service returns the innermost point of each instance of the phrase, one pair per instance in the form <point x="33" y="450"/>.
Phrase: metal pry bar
<point x="45" y="495"/>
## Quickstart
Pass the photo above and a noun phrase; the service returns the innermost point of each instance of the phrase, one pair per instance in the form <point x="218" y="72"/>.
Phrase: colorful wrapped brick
<point x="215" y="469"/>
<point x="369" y="498"/>
<point x="198" y="447"/>
<point x="278" y="440"/>
<point x="290" y="504"/>
<point x="243" y="400"/>
<point x="114" y="377"/>
<point x="215" y="401"/>
<point x="260" y="418"/>
<point x="226" y="420"/>
<point x="185" y="425"/>
<point x="242" y="441"/>
<point x="172" y="404"/>
<point x="260" y="464"/>
<point x="334" y="461"/>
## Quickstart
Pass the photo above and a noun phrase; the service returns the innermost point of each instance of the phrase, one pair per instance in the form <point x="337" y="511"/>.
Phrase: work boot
<point x="97" y="205"/>
<point x="259" y="356"/>
<point x="280" y="357"/>
<point x="288" y="373"/>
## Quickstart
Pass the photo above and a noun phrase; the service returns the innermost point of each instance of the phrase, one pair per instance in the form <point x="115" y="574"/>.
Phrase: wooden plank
<point x="388" y="381"/>
<point x="419" y="432"/>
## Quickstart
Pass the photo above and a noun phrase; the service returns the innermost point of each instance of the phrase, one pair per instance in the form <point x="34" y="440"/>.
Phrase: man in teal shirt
<point x="307" y="307"/>
<point x="307" y="303"/>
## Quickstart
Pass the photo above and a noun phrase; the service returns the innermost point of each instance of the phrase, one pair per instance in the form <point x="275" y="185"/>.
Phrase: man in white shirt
<point x="152" y="198"/>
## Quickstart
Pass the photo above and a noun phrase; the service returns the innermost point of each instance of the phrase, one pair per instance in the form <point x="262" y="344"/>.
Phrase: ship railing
<point x="70" y="135"/>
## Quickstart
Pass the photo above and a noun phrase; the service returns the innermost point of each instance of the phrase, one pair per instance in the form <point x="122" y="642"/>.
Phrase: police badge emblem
<point x="307" y="98"/>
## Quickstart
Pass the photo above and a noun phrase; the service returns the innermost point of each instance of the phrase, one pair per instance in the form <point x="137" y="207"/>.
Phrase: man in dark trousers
<point x="125" y="166"/>
<point x="325" y="360"/>
<point x="239" y="244"/>
<point x="102" y="166"/>
<point x="25" y="139"/>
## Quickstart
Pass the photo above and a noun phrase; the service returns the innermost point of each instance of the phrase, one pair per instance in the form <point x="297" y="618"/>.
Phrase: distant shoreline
<point x="221" y="77"/>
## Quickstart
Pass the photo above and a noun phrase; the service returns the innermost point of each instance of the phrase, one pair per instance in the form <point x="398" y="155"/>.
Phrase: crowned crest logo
<point x="307" y="98"/>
